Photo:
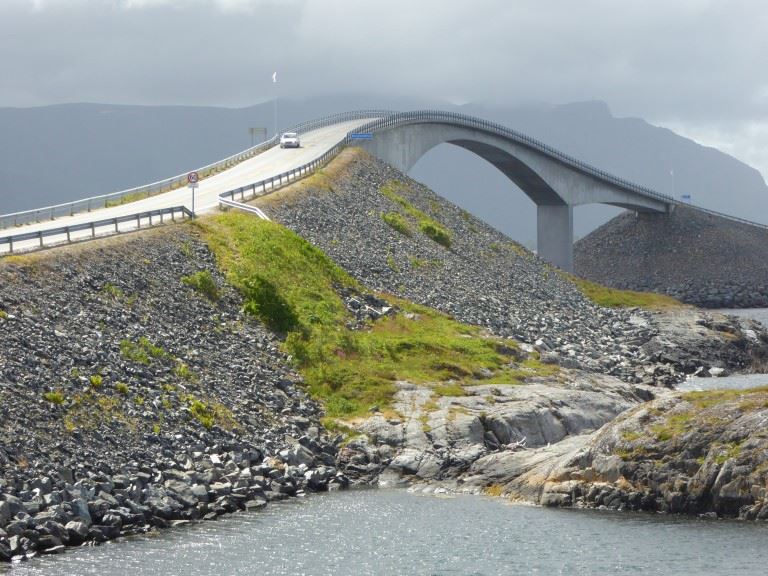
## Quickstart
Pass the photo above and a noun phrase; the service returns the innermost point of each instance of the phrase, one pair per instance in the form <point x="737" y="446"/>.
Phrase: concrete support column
<point x="555" y="235"/>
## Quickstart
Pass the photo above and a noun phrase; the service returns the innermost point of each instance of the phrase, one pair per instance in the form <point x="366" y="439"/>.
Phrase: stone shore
<point x="129" y="401"/>
<point x="695" y="257"/>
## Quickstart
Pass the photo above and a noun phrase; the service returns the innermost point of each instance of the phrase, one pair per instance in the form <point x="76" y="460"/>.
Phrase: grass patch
<point x="127" y="199"/>
<point x="449" y="390"/>
<point x="211" y="414"/>
<point x="417" y="263"/>
<point x="727" y="452"/>
<point x="614" y="298"/>
<point x="335" y="426"/>
<point x="673" y="426"/>
<point x="397" y="222"/>
<point x="749" y="398"/>
<point x="91" y="411"/>
<point x="112" y="291"/>
<point x="436" y="232"/>
<point x="427" y="225"/>
<point x="392" y="263"/>
<point x="630" y="435"/>
<point x="349" y="370"/>
<point x="56" y="397"/>
<point x="203" y="283"/>
<point x="183" y="371"/>
<point x="142" y="351"/>
<point x="122" y="388"/>
<point x="96" y="380"/>
<point x="3" y="314"/>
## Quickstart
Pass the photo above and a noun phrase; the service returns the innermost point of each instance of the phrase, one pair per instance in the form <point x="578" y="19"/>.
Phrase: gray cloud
<point x="697" y="65"/>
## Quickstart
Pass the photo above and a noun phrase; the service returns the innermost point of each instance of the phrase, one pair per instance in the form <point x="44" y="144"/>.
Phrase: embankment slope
<point x="696" y="257"/>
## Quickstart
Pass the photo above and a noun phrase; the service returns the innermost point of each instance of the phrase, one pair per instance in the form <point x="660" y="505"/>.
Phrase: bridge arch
<point x="553" y="181"/>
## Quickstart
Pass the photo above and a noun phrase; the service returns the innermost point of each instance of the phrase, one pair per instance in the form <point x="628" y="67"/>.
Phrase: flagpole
<point x="274" y="81"/>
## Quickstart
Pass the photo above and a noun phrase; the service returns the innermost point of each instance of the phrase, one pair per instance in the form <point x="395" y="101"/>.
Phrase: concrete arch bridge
<point x="554" y="181"/>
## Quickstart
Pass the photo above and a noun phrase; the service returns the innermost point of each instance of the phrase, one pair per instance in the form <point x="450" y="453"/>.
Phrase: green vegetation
<point x="112" y="291"/>
<point x="397" y="222"/>
<point x="142" y="351"/>
<point x="89" y="411"/>
<point x="674" y="425"/>
<point x="96" y="380"/>
<point x="55" y="397"/>
<point x="203" y="283"/>
<point x="449" y="390"/>
<point x="436" y="232"/>
<point x="211" y="414"/>
<point x="122" y="388"/>
<point x="727" y="452"/>
<point x="392" y="263"/>
<point x="127" y="199"/>
<point x="3" y="314"/>
<point x="292" y="286"/>
<point x="613" y="298"/>
<point x="184" y="372"/>
<point x="428" y="225"/>
<point x="417" y="263"/>
<point x="749" y="399"/>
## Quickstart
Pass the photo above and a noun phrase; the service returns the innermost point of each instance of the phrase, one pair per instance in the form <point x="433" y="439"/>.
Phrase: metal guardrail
<point x="65" y="233"/>
<point x="168" y="184"/>
<point x="456" y="119"/>
<point x="262" y="187"/>
<point x="386" y="119"/>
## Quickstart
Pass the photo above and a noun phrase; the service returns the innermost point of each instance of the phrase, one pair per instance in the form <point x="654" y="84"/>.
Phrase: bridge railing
<point x="385" y="119"/>
<point x="180" y="180"/>
<point x="455" y="118"/>
<point x="229" y="199"/>
<point x="94" y="229"/>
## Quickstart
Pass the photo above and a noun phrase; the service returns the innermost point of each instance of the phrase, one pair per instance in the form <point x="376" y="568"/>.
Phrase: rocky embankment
<point x="696" y="257"/>
<point x="484" y="278"/>
<point x="135" y="394"/>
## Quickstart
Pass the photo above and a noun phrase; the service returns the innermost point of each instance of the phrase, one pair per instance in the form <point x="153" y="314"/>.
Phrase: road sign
<point x="361" y="136"/>
<point x="193" y="177"/>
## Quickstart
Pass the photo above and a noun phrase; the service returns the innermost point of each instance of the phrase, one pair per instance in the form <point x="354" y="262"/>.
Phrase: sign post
<point x="192" y="179"/>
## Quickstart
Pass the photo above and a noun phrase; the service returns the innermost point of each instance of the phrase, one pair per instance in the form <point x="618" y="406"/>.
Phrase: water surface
<point x="740" y="381"/>
<point x="396" y="532"/>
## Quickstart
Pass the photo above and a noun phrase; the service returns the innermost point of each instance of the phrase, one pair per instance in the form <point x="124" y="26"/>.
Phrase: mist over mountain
<point x="58" y="153"/>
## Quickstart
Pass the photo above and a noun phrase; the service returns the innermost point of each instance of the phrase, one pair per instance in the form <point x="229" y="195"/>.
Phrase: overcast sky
<point x="699" y="67"/>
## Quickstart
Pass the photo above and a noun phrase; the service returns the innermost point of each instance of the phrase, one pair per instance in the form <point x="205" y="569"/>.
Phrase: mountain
<point x="58" y="153"/>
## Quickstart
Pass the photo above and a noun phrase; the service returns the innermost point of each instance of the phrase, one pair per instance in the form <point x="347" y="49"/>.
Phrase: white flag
<point x="274" y="77"/>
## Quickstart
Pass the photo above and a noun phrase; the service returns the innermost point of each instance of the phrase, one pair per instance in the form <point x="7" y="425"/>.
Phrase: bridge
<point x="554" y="181"/>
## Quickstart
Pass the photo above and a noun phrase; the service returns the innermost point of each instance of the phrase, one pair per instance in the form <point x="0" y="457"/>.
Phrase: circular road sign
<point x="193" y="177"/>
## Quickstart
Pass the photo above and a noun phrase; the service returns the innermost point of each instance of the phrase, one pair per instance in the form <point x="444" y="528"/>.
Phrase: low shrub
<point x="203" y="283"/>
<point x="397" y="222"/>
<point x="436" y="232"/>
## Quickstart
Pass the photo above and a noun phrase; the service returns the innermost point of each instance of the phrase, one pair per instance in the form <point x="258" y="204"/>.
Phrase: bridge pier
<point x="554" y="232"/>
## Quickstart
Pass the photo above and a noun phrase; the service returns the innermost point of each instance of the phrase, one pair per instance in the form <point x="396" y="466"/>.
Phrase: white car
<point x="290" y="140"/>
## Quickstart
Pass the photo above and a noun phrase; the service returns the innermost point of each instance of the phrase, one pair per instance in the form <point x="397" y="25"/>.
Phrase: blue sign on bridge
<point x="361" y="136"/>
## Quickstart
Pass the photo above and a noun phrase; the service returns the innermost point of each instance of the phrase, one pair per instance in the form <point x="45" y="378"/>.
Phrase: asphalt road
<point x="270" y="163"/>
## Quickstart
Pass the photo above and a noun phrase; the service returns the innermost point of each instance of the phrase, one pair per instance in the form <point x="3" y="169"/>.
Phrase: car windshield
<point x="289" y="135"/>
